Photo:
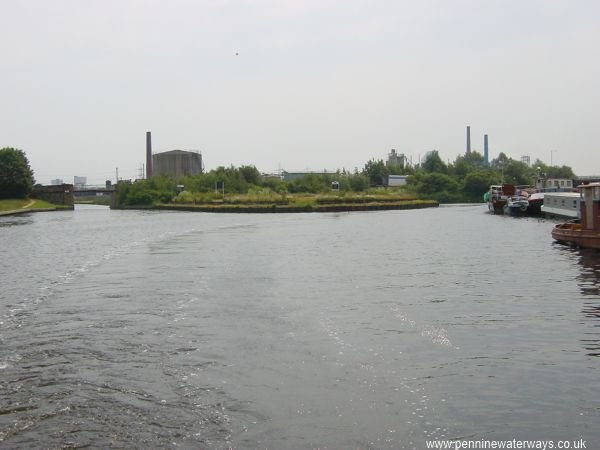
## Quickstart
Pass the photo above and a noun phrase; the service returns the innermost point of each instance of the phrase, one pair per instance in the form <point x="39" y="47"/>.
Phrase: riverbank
<point x="292" y="208"/>
<point x="9" y="207"/>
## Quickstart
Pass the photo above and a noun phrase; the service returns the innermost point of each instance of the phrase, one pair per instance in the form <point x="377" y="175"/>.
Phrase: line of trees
<point x="469" y="176"/>
<point x="464" y="180"/>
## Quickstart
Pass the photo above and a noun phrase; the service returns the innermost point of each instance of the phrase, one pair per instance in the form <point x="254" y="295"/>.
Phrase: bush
<point x="16" y="177"/>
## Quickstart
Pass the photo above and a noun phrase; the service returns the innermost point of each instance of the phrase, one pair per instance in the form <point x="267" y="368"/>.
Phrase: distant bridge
<point x="89" y="190"/>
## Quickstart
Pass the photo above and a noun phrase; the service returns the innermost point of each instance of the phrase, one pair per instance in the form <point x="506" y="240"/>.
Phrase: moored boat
<point x="536" y="201"/>
<point x="516" y="205"/>
<point x="497" y="197"/>
<point x="586" y="233"/>
<point x="561" y="204"/>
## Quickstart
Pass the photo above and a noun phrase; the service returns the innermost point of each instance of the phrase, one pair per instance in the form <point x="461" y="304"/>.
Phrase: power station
<point x="173" y="163"/>
<point x="468" y="139"/>
<point x="486" y="155"/>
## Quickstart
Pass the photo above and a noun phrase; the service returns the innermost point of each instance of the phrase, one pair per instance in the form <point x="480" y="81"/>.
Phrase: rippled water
<point x="363" y="330"/>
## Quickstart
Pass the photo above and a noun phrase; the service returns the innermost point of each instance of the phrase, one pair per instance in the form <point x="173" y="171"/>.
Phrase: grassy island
<point x="294" y="204"/>
<point x="245" y="189"/>
<point x="157" y="193"/>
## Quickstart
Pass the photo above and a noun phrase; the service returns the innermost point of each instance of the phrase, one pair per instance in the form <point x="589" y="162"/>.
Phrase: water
<point x="364" y="330"/>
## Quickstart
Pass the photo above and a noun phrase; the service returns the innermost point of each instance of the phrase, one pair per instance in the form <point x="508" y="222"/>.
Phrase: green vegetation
<point x="12" y="204"/>
<point x="27" y="204"/>
<point x="469" y="177"/>
<point x="16" y="177"/>
<point x="433" y="180"/>
<point x="42" y="204"/>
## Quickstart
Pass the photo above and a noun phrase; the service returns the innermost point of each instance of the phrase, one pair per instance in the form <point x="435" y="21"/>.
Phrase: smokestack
<point x="148" y="154"/>
<point x="468" y="139"/>
<point x="486" y="157"/>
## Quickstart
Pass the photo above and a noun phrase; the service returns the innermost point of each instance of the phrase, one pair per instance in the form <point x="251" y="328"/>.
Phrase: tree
<point x="500" y="162"/>
<point x="517" y="172"/>
<point x="16" y="177"/>
<point x="476" y="183"/>
<point x="552" y="171"/>
<point x="435" y="186"/>
<point x="250" y="174"/>
<point x="465" y="164"/>
<point x="433" y="163"/>
<point x="377" y="172"/>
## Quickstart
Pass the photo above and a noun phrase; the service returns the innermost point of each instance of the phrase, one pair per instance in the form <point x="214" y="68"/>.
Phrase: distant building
<point x="558" y="184"/>
<point x="177" y="163"/>
<point x="56" y="182"/>
<point x="271" y="176"/>
<point x="396" y="159"/>
<point x="396" y="180"/>
<point x="525" y="159"/>
<point x="79" y="181"/>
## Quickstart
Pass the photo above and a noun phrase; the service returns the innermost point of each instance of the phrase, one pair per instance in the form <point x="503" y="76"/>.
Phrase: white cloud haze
<point x="316" y="84"/>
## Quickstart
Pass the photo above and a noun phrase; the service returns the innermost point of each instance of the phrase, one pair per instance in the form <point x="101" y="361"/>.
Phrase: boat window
<point x="562" y="182"/>
<point x="597" y="193"/>
<point x="575" y="204"/>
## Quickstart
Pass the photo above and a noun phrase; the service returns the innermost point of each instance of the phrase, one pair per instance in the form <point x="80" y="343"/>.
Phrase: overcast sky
<point x="297" y="84"/>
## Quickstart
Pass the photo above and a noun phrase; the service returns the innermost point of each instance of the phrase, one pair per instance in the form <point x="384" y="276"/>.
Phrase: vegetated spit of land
<point x="268" y="201"/>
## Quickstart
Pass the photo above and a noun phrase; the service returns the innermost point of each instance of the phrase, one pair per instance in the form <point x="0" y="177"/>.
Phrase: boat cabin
<point x="590" y="206"/>
<point x="561" y="204"/>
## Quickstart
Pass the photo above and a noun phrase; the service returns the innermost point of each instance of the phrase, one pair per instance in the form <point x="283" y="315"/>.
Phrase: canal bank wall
<point x="270" y="209"/>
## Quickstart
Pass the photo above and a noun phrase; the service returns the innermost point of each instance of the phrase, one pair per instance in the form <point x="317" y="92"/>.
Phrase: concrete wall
<point x="177" y="163"/>
<point x="59" y="195"/>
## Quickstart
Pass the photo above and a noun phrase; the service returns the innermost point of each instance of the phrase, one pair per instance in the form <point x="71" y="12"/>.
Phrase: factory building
<point x="176" y="163"/>
<point x="396" y="159"/>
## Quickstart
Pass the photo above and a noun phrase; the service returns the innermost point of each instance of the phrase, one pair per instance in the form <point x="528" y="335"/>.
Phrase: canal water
<point x="148" y="329"/>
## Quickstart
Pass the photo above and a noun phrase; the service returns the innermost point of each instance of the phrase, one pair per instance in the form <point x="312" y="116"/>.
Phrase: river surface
<point x="160" y="329"/>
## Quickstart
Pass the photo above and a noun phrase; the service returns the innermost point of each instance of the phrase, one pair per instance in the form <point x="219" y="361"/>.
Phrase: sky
<point x="296" y="85"/>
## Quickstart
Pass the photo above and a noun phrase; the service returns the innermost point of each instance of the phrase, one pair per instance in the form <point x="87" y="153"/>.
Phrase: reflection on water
<point x="589" y="284"/>
<point x="13" y="221"/>
<point x="365" y="330"/>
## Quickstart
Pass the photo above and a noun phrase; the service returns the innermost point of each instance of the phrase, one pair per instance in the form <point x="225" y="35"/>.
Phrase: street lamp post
<point x="551" y="153"/>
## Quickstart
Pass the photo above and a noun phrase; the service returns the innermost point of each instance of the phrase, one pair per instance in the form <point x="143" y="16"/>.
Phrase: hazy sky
<point x="316" y="84"/>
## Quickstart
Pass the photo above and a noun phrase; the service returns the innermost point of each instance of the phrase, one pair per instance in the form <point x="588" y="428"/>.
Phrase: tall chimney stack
<point x="148" y="154"/>
<point x="486" y="156"/>
<point x="468" y="139"/>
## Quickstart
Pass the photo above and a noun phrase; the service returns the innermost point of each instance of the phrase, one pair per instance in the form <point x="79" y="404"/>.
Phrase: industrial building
<point x="174" y="163"/>
<point x="177" y="163"/>
<point x="396" y="159"/>
<point x="396" y="180"/>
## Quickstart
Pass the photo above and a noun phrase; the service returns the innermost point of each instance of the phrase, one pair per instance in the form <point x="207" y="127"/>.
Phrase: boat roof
<point x="590" y="185"/>
<point x="562" y="194"/>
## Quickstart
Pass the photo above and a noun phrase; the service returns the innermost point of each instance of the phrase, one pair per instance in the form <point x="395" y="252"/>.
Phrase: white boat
<point x="516" y="205"/>
<point x="561" y="204"/>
